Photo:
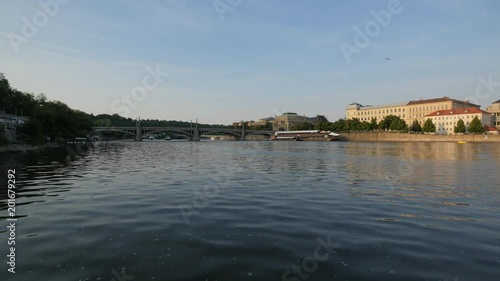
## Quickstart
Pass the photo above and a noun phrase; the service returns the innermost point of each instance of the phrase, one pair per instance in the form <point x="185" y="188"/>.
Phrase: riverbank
<point x="405" y="137"/>
<point x="15" y="148"/>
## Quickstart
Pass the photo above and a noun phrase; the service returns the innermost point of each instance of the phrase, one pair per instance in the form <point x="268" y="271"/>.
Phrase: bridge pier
<point x="138" y="133"/>
<point x="196" y="135"/>
<point x="243" y="134"/>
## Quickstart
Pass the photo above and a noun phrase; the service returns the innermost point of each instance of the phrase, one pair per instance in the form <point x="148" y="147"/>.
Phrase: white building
<point x="446" y="120"/>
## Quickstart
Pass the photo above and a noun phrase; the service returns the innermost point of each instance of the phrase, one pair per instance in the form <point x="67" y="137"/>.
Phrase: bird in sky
<point x="387" y="58"/>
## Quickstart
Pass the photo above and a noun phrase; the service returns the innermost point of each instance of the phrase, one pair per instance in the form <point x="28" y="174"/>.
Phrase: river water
<point x="220" y="210"/>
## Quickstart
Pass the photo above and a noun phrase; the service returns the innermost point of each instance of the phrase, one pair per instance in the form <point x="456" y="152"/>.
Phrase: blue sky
<point x="260" y="59"/>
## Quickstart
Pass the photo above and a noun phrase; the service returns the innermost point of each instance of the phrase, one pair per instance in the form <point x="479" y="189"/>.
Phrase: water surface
<point x="256" y="211"/>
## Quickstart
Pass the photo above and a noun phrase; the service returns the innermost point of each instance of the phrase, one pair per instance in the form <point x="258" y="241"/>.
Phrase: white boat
<point x="332" y="136"/>
<point x="168" y="138"/>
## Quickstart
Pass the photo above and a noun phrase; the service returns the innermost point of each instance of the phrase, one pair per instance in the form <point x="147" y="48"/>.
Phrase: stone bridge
<point x="193" y="134"/>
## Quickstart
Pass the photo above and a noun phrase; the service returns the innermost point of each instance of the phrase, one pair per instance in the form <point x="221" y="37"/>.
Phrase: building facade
<point x="408" y="111"/>
<point x="446" y="120"/>
<point x="287" y="120"/>
<point x="494" y="109"/>
<point x="261" y="122"/>
<point x="379" y="112"/>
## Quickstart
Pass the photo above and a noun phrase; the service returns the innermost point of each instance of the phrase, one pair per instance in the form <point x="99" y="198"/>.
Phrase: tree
<point x="353" y="125"/>
<point x="415" y="127"/>
<point x="475" y="126"/>
<point x="398" y="125"/>
<point x="32" y="131"/>
<point x="338" y="126"/>
<point x="4" y="85"/>
<point x="373" y="124"/>
<point x="365" y="126"/>
<point x="302" y="126"/>
<point x="429" y="126"/>
<point x="393" y="122"/>
<point x="460" y="127"/>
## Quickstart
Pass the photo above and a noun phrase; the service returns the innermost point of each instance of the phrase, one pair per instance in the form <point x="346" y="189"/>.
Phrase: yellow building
<point x="408" y="111"/>
<point x="287" y="120"/>
<point x="494" y="109"/>
<point x="379" y="112"/>
<point x="446" y="120"/>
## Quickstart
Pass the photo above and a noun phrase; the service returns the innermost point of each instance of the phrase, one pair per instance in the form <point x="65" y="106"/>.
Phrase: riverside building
<point x="494" y="109"/>
<point x="446" y="120"/>
<point x="408" y="111"/>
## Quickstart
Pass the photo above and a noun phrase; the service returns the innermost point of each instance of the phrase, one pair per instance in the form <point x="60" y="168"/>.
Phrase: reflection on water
<point x="253" y="210"/>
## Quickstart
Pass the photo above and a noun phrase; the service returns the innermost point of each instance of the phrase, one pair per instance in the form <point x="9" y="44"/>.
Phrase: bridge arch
<point x="262" y="133"/>
<point x="115" y="130"/>
<point x="222" y="131"/>
<point x="169" y="131"/>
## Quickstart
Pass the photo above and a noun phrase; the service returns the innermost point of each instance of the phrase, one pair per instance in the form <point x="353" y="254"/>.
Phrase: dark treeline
<point x="57" y="121"/>
<point x="115" y="120"/>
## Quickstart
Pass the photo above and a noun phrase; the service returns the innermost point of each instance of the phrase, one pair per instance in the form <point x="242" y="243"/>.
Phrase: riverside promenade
<point x="405" y="137"/>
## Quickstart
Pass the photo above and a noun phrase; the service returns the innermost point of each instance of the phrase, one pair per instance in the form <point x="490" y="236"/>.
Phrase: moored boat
<point x="305" y="135"/>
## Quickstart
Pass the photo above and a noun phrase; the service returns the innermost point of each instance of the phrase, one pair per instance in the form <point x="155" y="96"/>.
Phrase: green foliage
<point x="115" y="120"/>
<point x="415" y="127"/>
<point x="343" y="125"/>
<point x="32" y="132"/>
<point x="12" y="99"/>
<point x="398" y="125"/>
<point x="56" y="120"/>
<point x="475" y="126"/>
<point x="47" y="118"/>
<point x="353" y="125"/>
<point x="373" y="124"/>
<point x="460" y="127"/>
<point x="429" y="126"/>
<point x="302" y="126"/>
<point x="322" y="125"/>
<point x="393" y="123"/>
<point x="338" y="126"/>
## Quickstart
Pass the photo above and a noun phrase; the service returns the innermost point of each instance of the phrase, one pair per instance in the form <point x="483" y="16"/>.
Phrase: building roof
<point x="414" y="102"/>
<point x="370" y="107"/>
<point x="498" y="101"/>
<point x="354" y="105"/>
<point x="267" y="119"/>
<point x="456" y="111"/>
<point x="490" y="129"/>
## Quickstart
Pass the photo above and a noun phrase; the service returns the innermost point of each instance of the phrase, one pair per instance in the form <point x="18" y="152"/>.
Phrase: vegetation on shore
<point x="389" y="123"/>
<point x="56" y="121"/>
